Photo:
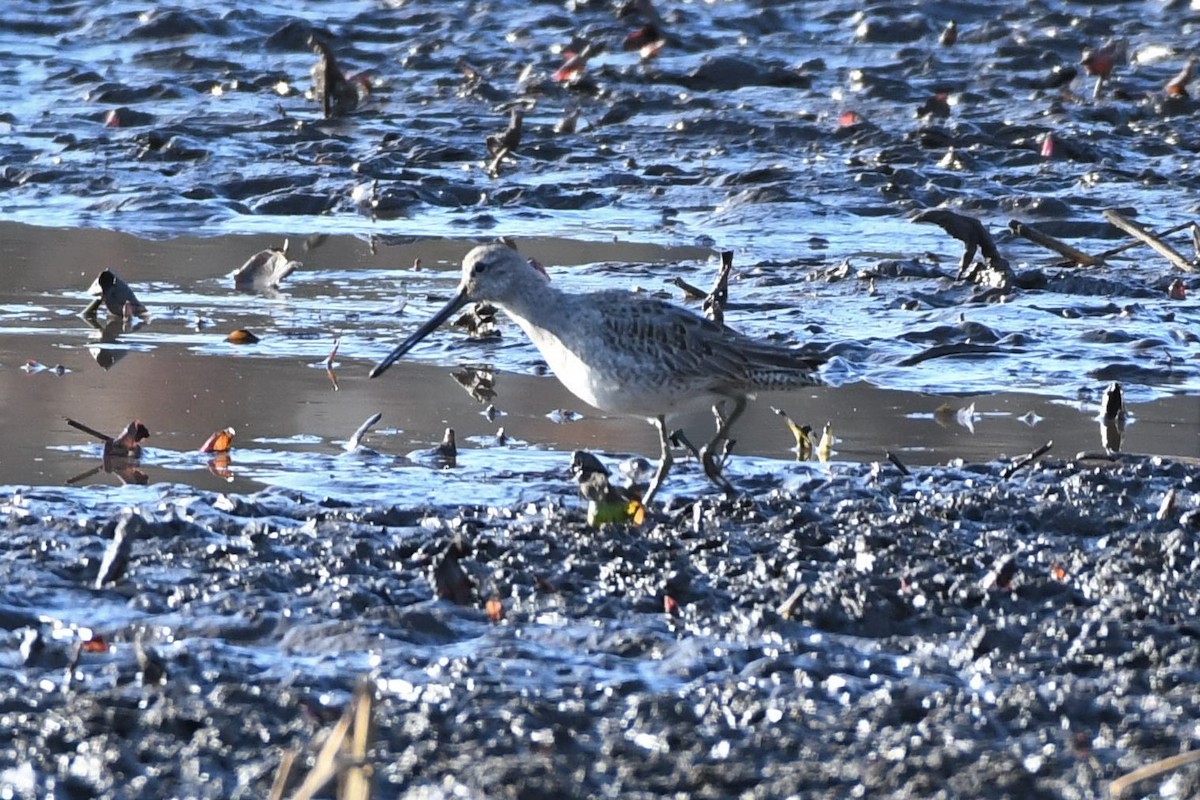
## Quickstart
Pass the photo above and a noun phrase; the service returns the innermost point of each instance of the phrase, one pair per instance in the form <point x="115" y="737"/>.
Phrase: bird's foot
<point x="714" y="464"/>
<point x="712" y="458"/>
<point x="656" y="484"/>
<point x="660" y="474"/>
<point x="679" y="439"/>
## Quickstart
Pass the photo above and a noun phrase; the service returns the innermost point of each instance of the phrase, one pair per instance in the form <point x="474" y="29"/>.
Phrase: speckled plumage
<point x="625" y="353"/>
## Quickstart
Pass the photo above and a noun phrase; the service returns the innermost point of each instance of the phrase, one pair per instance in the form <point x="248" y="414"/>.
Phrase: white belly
<point x="613" y="390"/>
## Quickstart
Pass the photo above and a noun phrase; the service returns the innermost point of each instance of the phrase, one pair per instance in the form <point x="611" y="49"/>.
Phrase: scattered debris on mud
<point x="850" y="630"/>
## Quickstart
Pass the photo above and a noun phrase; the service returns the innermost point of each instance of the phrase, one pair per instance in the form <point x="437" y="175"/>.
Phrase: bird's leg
<point x="664" y="461"/>
<point x="726" y="451"/>
<point x="708" y="453"/>
<point x="680" y="439"/>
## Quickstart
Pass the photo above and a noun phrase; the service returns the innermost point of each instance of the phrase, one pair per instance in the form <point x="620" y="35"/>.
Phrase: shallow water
<point x="176" y="373"/>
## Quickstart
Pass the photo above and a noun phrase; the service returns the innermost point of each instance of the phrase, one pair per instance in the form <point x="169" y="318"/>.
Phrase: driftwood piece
<point x="1117" y="788"/>
<point x="1050" y="243"/>
<point x="1121" y="248"/>
<point x="1141" y="234"/>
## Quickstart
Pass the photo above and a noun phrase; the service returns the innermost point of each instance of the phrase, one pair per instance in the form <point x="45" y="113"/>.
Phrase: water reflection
<point x="126" y="470"/>
<point x="108" y="333"/>
<point x="1112" y="418"/>
<point x="479" y="382"/>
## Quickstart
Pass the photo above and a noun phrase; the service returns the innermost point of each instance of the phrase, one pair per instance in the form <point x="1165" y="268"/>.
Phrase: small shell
<point x="242" y="336"/>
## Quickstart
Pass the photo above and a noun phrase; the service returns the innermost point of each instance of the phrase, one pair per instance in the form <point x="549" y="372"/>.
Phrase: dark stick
<point x="892" y="457"/>
<point x="1027" y="460"/>
<point x="80" y="426"/>
<point x="1138" y="243"/>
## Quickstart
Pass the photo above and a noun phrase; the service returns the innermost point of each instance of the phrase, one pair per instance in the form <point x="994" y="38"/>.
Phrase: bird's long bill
<point x="458" y="301"/>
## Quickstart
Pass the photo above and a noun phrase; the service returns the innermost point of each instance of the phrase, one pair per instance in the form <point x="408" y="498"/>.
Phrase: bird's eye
<point x="481" y="267"/>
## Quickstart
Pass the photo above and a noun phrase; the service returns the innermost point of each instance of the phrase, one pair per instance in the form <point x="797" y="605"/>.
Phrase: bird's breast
<point x="610" y="382"/>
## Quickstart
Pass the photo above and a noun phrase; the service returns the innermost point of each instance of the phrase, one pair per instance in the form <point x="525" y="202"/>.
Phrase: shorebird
<point x="626" y="353"/>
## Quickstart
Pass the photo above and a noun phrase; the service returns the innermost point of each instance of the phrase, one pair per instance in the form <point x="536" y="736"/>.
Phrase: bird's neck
<point x="536" y="307"/>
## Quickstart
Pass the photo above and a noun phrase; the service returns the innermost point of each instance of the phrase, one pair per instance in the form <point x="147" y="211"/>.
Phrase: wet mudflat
<point x="839" y="629"/>
<point x="951" y="633"/>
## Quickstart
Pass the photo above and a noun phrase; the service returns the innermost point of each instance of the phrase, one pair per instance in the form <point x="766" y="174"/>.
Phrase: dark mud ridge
<point x="855" y="633"/>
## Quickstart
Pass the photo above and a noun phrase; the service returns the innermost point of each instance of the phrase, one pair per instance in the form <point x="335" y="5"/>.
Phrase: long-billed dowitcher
<point x="626" y="353"/>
